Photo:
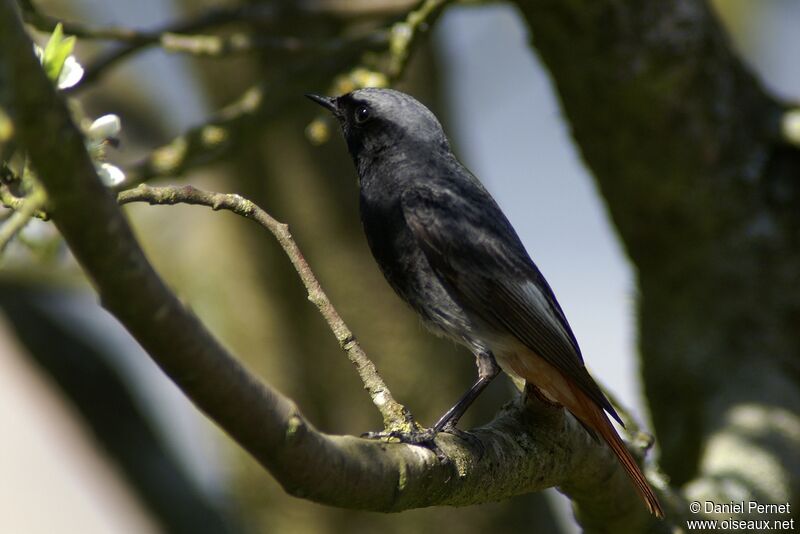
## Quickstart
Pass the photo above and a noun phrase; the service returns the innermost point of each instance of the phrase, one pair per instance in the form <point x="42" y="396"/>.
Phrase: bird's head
<point x="374" y="120"/>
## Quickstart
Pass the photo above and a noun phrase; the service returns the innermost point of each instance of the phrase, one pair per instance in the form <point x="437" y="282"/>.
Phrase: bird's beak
<point x="327" y="102"/>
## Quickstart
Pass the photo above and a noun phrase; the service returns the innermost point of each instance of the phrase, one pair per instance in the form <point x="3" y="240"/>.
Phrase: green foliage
<point x="56" y="52"/>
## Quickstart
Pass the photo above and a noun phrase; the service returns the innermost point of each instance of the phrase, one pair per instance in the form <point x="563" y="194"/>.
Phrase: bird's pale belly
<point x="527" y="365"/>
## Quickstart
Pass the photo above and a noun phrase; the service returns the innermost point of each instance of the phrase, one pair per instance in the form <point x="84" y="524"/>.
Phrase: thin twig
<point x="200" y="144"/>
<point x="137" y="40"/>
<point x="219" y="135"/>
<point x="395" y="415"/>
<point x="405" y="34"/>
<point x="382" y="70"/>
<point x="216" y="137"/>
<point x="216" y="46"/>
<point x="132" y="37"/>
<point x="15" y="203"/>
<point x="25" y="211"/>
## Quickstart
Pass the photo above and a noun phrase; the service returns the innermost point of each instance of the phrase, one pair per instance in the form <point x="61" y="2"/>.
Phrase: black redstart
<point x="448" y="250"/>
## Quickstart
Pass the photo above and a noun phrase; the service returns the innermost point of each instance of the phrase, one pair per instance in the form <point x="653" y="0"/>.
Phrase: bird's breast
<point x="406" y="269"/>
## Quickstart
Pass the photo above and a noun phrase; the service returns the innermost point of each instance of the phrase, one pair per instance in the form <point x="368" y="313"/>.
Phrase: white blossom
<point x="71" y="73"/>
<point x="105" y="127"/>
<point x="110" y="175"/>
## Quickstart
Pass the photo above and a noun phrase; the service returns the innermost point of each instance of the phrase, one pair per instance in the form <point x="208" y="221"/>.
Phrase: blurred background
<point x="96" y="439"/>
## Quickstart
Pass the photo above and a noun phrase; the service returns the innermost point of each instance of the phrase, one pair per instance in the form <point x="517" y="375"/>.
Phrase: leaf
<point x="56" y="53"/>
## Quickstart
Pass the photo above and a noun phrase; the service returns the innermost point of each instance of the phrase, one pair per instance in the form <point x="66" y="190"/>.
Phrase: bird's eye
<point x="362" y="114"/>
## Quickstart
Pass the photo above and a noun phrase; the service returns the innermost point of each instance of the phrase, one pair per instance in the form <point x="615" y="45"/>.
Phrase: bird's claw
<point x="425" y="437"/>
<point x="418" y="436"/>
<point x="421" y="437"/>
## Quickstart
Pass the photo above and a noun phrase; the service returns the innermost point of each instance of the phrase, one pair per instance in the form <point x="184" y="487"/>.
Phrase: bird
<point x="447" y="249"/>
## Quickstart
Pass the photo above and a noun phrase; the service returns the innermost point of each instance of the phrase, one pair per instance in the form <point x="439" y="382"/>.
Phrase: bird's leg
<point x="487" y="370"/>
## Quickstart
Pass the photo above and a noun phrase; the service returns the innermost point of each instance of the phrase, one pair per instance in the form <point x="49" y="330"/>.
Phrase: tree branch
<point x="524" y="449"/>
<point x="395" y="415"/>
<point x="24" y="211"/>
<point x="405" y="34"/>
<point x="136" y="40"/>
<point x="175" y="36"/>
<point x="217" y="46"/>
<point x="221" y="133"/>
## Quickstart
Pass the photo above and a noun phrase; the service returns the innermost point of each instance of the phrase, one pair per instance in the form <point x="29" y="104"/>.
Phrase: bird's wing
<point x="471" y="245"/>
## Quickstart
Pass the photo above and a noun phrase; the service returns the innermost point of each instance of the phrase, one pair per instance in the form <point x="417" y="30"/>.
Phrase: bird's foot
<point x="421" y="437"/>
<point x="417" y="436"/>
<point x="425" y="437"/>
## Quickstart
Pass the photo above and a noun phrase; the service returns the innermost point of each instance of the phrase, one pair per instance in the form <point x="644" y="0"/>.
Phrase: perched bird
<point x="448" y="250"/>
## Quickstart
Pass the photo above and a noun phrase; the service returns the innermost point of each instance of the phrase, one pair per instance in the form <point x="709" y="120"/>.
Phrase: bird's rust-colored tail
<point x="595" y="418"/>
<point x="566" y="392"/>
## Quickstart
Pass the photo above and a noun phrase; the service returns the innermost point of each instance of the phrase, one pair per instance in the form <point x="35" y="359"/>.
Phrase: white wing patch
<point x="545" y="310"/>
